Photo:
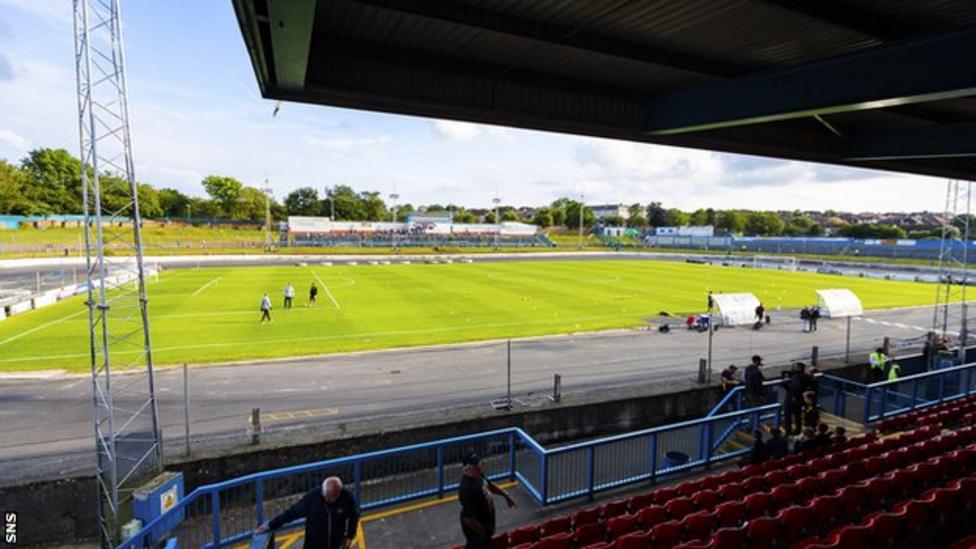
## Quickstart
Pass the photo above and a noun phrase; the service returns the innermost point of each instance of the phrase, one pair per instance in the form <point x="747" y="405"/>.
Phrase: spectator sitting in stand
<point x="777" y="444"/>
<point x="760" y="452"/>
<point x="840" y="435"/>
<point x="823" y="435"/>
<point x="806" y="441"/>
<point x="811" y="410"/>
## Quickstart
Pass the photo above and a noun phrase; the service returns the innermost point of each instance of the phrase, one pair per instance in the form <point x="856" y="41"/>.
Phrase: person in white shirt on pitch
<point x="289" y="295"/>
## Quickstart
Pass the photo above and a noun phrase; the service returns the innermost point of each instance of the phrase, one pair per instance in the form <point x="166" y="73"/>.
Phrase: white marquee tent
<point x="839" y="303"/>
<point x="736" y="309"/>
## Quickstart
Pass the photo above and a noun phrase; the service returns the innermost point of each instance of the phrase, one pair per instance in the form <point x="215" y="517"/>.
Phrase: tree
<point x="464" y="216"/>
<point x="53" y="181"/>
<point x="13" y="200"/>
<point x="374" y="208"/>
<point x="403" y="210"/>
<point x="202" y="208"/>
<point x="225" y="191"/>
<point x="303" y="201"/>
<point x="149" y="207"/>
<point x="508" y="213"/>
<point x="702" y="216"/>
<point x="348" y="205"/>
<point x="489" y="217"/>
<point x="542" y="217"/>
<point x="730" y="221"/>
<point x="573" y="215"/>
<point x="635" y="216"/>
<point x="657" y="216"/>
<point x="613" y="221"/>
<point x="251" y="205"/>
<point x="763" y="224"/>
<point x="676" y="218"/>
<point x="869" y="230"/>
<point x="172" y="202"/>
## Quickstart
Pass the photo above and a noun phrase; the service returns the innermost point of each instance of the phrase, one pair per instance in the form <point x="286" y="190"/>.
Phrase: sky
<point x="195" y="110"/>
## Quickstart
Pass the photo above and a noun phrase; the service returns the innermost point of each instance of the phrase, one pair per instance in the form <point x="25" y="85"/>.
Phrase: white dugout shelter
<point x="735" y="309"/>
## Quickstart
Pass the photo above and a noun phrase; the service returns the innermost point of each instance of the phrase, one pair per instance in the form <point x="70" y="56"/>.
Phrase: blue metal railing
<point x="227" y="512"/>
<point x="870" y="403"/>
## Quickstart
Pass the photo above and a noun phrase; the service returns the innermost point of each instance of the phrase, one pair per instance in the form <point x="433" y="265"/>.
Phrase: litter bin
<point x="675" y="459"/>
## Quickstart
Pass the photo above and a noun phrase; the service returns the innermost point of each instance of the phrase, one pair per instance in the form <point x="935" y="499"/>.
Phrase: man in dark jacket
<point x="798" y="383"/>
<point x="477" y="507"/>
<point x="331" y="517"/>
<point x="754" y="378"/>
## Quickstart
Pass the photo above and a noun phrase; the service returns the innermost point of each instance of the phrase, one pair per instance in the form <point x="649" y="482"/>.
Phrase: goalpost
<point x="779" y="262"/>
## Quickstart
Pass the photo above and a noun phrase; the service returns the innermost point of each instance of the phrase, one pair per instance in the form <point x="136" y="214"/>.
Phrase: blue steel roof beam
<point x="931" y="68"/>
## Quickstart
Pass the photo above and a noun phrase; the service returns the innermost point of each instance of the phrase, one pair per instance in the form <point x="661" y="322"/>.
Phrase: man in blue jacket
<point x="331" y="517"/>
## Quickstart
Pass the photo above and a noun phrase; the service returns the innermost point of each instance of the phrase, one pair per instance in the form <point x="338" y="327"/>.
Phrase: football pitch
<point x="212" y="314"/>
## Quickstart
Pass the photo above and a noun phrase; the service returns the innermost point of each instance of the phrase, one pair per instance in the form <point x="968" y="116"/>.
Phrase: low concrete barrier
<point x="19" y="307"/>
<point x="45" y="299"/>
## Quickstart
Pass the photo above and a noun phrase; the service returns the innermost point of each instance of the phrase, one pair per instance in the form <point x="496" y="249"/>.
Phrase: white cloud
<point x="58" y="12"/>
<point x="452" y="129"/>
<point x="14" y="141"/>
<point x="348" y="145"/>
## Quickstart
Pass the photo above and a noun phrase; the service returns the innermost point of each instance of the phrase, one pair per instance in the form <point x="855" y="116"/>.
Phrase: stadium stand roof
<point x="867" y="83"/>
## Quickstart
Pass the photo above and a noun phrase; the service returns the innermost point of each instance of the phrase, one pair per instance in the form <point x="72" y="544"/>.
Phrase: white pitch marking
<point x="326" y="288"/>
<point x="205" y="286"/>
<point x="42" y="326"/>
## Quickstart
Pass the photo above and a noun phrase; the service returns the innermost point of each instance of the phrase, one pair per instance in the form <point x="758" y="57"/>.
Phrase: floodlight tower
<point x="498" y="224"/>
<point x="393" y="214"/>
<point x="268" y="241"/>
<point x="954" y="263"/>
<point x="127" y="438"/>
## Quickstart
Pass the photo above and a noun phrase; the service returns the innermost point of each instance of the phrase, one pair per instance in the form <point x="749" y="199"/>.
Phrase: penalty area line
<point x="326" y="288"/>
<point x="205" y="286"/>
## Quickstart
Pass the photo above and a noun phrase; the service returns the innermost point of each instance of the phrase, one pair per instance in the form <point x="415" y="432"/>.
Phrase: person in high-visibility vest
<point x="876" y="365"/>
<point x="894" y="371"/>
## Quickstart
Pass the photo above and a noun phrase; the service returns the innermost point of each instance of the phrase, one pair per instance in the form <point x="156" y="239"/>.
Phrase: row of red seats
<point x="918" y="521"/>
<point x="797" y="520"/>
<point x="945" y="414"/>
<point x="725" y="483"/>
<point x="684" y="518"/>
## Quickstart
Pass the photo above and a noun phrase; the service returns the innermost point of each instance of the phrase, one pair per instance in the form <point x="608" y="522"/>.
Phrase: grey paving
<point x="47" y="425"/>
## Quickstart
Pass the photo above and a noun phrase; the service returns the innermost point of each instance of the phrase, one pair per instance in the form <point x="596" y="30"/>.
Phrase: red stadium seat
<point x="854" y="497"/>
<point x="599" y="545"/>
<point x="585" y="516"/>
<point x="652" y="516"/>
<point x="706" y="499"/>
<point x="852" y="537"/>
<point x="775" y="478"/>
<point x="525" y="534"/>
<point x="731" y="491"/>
<point x="752" y="485"/>
<point x="556" y="525"/>
<point x="784" y="495"/>
<point x="943" y="503"/>
<point x="613" y="509"/>
<point x="729" y="538"/>
<point x="588" y="534"/>
<point x="914" y="516"/>
<point x="666" y="534"/>
<point x="799" y="470"/>
<point x="500" y="541"/>
<point x="688" y="488"/>
<point x="826" y="511"/>
<point x="796" y="522"/>
<point x="624" y="524"/>
<point x="967" y="492"/>
<point x="758" y="504"/>
<point x="711" y="482"/>
<point x="557" y="541"/>
<point x="636" y="503"/>
<point x="679" y="508"/>
<point x="699" y="525"/>
<point x="886" y="530"/>
<point x="664" y="495"/>
<point x="808" y="487"/>
<point x="731" y="513"/>
<point x="525" y="546"/>
<point x="633" y="540"/>
<point x="694" y="544"/>
<point x="831" y="480"/>
<point x="763" y="532"/>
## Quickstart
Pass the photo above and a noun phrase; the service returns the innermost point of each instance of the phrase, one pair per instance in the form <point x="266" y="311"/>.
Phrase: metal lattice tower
<point x="127" y="437"/>
<point x="950" y="297"/>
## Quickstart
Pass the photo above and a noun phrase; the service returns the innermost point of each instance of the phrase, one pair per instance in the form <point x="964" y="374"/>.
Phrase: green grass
<point x="387" y="306"/>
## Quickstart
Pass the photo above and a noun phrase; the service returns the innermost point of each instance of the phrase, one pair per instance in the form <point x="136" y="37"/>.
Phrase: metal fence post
<point x="357" y="478"/>
<point x="654" y="457"/>
<point x="215" y="516"/>
<point x="259" y="500"/>
<point x="941" y="387"/>
<point x="186" y="409"/>
<point x="544" y="484"/>
<point x="884" y="402"/>
<point x="708" y="442"/>
<point x="511" y="454"/>
<point x="590" y="470"/>
<point x="867" y="405"/>
<point x="914" y="394"/>
<point x="814" y="355"/>
<point x="440" y="471"/>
